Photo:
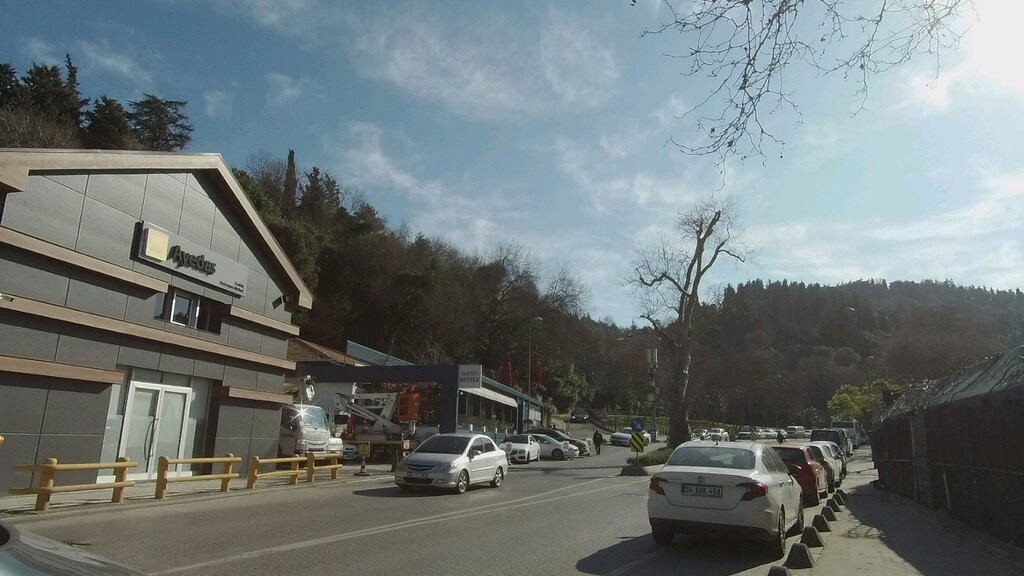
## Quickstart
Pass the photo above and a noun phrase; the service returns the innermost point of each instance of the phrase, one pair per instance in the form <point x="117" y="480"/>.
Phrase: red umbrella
<point x="536" y="376"/>
<point x="505" y="374"/>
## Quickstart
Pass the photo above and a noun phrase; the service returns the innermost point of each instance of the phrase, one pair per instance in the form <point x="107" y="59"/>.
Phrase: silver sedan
<point x="452" y="461"/>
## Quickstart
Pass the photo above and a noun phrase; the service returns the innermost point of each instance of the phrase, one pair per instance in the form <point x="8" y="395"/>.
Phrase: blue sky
<point x="546" y="125"/>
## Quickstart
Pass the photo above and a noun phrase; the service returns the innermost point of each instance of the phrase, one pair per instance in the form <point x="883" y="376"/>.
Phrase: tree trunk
<point x="679" y="404"/>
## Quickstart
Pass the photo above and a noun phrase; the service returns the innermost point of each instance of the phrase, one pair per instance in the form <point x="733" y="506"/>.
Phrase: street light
<point x="529" y="355"/>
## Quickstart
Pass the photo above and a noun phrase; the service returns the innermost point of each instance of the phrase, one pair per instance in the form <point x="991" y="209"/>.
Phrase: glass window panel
<point x="181" y="311"/>
<point x="140" y="427"/>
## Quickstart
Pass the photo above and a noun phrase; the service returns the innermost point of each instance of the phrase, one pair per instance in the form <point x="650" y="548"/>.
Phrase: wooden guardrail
<point x="294" y="469"/>
<point x="226" y="475"/>
<point x="49" y="468"/>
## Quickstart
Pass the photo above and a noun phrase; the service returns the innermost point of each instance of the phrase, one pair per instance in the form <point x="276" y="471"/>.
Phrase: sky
<point x="548" y="125"/>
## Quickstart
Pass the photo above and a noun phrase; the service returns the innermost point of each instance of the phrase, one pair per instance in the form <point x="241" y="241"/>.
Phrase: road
<point x="575" y="517"/>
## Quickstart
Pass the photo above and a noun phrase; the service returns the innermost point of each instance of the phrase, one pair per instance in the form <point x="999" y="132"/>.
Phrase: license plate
<point x="417" y="474"/>
<point x="701" y="490"/>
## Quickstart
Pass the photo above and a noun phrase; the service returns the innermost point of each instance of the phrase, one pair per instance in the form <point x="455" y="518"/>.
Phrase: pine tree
<point x="107" y="127"/>
<point x="159" y="124"/>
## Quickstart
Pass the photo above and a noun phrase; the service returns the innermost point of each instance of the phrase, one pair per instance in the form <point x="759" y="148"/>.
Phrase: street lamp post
<point x="529" y="355"/>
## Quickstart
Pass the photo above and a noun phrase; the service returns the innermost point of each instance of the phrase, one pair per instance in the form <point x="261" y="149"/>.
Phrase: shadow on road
<point x="396" y="492"/>
<point x="687" y="555"/>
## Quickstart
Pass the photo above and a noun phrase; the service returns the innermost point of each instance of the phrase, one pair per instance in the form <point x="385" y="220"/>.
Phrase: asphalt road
<point x="574" y="517"/>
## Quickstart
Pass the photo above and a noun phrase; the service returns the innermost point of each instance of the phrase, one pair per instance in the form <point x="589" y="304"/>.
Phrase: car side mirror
<point x="474" y="454"/>
<point x="793" y="469"/>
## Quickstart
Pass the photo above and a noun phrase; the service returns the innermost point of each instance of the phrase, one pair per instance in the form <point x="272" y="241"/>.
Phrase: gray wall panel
<point x="96" y="294"/>
<point x="219" y="338"/>
<point x="241" y="337"/>
<point x="235" y="375"/>
<point x="179" y="176"/>
<point x="106" y="233"/>
<point x="187" y="284"/>
<point x="24" y="400"/>
<point x="234" y="421"/>
<point x="197" y="218"/>
<point x="237" y="447"/>
<point x="264" y="447"/>
<point x="266" y="421"/>
<point x="27" y="337"/>
<point x="142" y="308"/>
<point x="255" y="299"/>
<point x="176" y="360"/>
<point x="125" y="192"/>
<point x="76" y="408"/>
<point x="76" y="182"/>
<point x="246" y="257"/>
<point x="208" y="366"/>
<point x="276" y="308"/>
<point x="31" y="276"/>
<point x="46" y="210"/>
<point x="200" y="182"/>
<point x="270" y="382"/>
<point x="274" y="345"/>
<point x="225" y="238"/>
<point x="18" y="449"/>
<point x="138" y="353"/>
<point x="87" y="347"/>
<point x="162" y="205"/>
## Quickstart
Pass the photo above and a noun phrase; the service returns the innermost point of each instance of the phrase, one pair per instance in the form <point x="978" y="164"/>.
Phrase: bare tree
<point x="745" y="47"/>
<point x="666" y="281"/>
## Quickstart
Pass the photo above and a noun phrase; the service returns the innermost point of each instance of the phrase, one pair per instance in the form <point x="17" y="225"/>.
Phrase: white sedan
<point x="554" y="449"/>
<point x="738" y="489"/>
<point x="718" y="435"/>
<point x="622" y="437"/>
<point x="521" y="448"/>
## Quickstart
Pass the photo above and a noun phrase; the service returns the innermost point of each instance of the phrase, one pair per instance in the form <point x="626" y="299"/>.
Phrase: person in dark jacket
<point x="598" y="440"/>
<point x="780" y="437"/>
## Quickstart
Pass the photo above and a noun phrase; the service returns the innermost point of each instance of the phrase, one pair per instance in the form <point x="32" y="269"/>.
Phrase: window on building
<point x="186" y="309"/>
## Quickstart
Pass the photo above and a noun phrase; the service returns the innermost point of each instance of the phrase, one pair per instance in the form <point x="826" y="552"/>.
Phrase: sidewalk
<point x="142" y="494"/>
<point x="883" y="534"/>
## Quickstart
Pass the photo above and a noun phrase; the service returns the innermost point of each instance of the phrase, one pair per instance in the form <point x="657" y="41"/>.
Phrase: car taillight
<point x="754" y="490"/>
<point x="655" y="485"/>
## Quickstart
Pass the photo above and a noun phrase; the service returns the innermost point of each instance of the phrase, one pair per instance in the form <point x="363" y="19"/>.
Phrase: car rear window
<point x="790" y="454"/>
<point x="712" y="457"/>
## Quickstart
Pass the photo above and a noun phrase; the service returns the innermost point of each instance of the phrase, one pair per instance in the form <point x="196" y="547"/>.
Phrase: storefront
<point x="145" y="311"/>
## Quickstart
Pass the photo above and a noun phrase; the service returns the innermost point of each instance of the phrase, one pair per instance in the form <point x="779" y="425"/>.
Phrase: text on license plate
<point x="701" y="490"/>
<point x="417" y="474"/>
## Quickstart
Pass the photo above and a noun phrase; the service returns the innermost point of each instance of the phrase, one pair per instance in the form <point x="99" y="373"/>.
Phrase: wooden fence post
<point x="310" y="467"/>
<point x="161" y="478"/>
<point x="228" y="466"/>
<point x="334" y="462"/>
<point x="120" y="475"/>
<point x="45" y="484"/>
<point x="293" y="480"/>
<point x="254" y="464"/>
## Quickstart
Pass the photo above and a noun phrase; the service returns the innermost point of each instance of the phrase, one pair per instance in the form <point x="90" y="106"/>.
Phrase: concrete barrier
<point x="820" y="523"/>
<point x="812" y="538"/>
<point x="828" y="514"/>
<point x="799" y="557"/>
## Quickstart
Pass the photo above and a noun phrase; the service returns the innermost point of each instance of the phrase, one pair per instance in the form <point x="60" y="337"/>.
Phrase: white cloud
<point x="580" y="69"/>
<point x="218" y="104"/>
<point x="101" y="56"/>
<point x="283" y="89"/>
<point x="40" y="51"/>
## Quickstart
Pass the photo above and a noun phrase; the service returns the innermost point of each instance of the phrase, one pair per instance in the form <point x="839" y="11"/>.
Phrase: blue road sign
<point x="637" y="424"/>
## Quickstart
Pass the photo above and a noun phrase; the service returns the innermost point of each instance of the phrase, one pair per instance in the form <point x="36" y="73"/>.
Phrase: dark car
<point x="583" y="446"/>
<point x="831" y="435"/>
<point x="579" y="415"/>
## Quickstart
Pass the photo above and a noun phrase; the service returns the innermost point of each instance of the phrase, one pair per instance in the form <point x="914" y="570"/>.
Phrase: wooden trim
<point x="250" y="394"/>
<point x="265" y="321"/>
<point x="57" y="370"/>
<point x="17" y="163"/>
<point x="36" y="308"/>
<point x="77" y="259"/>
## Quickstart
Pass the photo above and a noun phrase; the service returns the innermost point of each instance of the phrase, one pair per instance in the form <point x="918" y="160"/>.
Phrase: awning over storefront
<point x="490" y="395"/>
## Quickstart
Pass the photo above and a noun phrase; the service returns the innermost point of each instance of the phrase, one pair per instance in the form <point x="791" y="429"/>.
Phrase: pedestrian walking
<point x="780" y="437"/>
<point x="598" y="440"/>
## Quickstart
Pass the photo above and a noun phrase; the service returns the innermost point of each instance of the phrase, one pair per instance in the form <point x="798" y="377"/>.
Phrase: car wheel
<point x="557" y="455"/>
<point x="662" y="536"/>
<point x="798" y="528"/>
<point x="499" y="475"/>
<point x="462" y="483"/>
<point x="776" y="547"/>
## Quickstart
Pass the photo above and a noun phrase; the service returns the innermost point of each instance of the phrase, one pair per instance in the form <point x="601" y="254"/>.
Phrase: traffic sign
<point x="636" y="442"/>
<point x="637" y="424"/>
<point x="364" y="449"/>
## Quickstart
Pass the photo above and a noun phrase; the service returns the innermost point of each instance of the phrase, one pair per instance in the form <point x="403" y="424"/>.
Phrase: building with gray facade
<point x="145" y="311"/>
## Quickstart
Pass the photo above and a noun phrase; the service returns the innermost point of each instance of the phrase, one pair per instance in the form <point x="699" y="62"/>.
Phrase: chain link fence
<point x="957" y="444"/>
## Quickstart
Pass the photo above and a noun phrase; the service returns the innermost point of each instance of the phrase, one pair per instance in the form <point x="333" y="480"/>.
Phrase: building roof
<point x="300" y="350"/>
<point x="16" y="164"/>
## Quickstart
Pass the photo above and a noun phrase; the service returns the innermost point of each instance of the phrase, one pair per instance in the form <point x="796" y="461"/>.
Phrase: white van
<point x="853" y="430"/>
<point x="304" y="429"/>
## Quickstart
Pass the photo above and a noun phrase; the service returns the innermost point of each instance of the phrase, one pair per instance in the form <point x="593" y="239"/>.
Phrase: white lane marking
<point x="487" y="508"/>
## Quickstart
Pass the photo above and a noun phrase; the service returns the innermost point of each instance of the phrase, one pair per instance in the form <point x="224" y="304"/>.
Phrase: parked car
<point x="748" y="433"/>
<point x="718" y="435"/>
<point x="579" y="415"/>
<point x="835" y="456"/>
<point x="795" y="431"/>
<point x="699" y="434"/>
<point x="553" y="449"/>
<point x="521" y="448"/>
<point x="623" y="436"/>
<point x="455" y="461"/>
<point x="580" y="445"/>
<point x="741" y="489"/>
<point x="832" y="467"/>
<point x="832" y="435"/>
<point x="808" y="471"/>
